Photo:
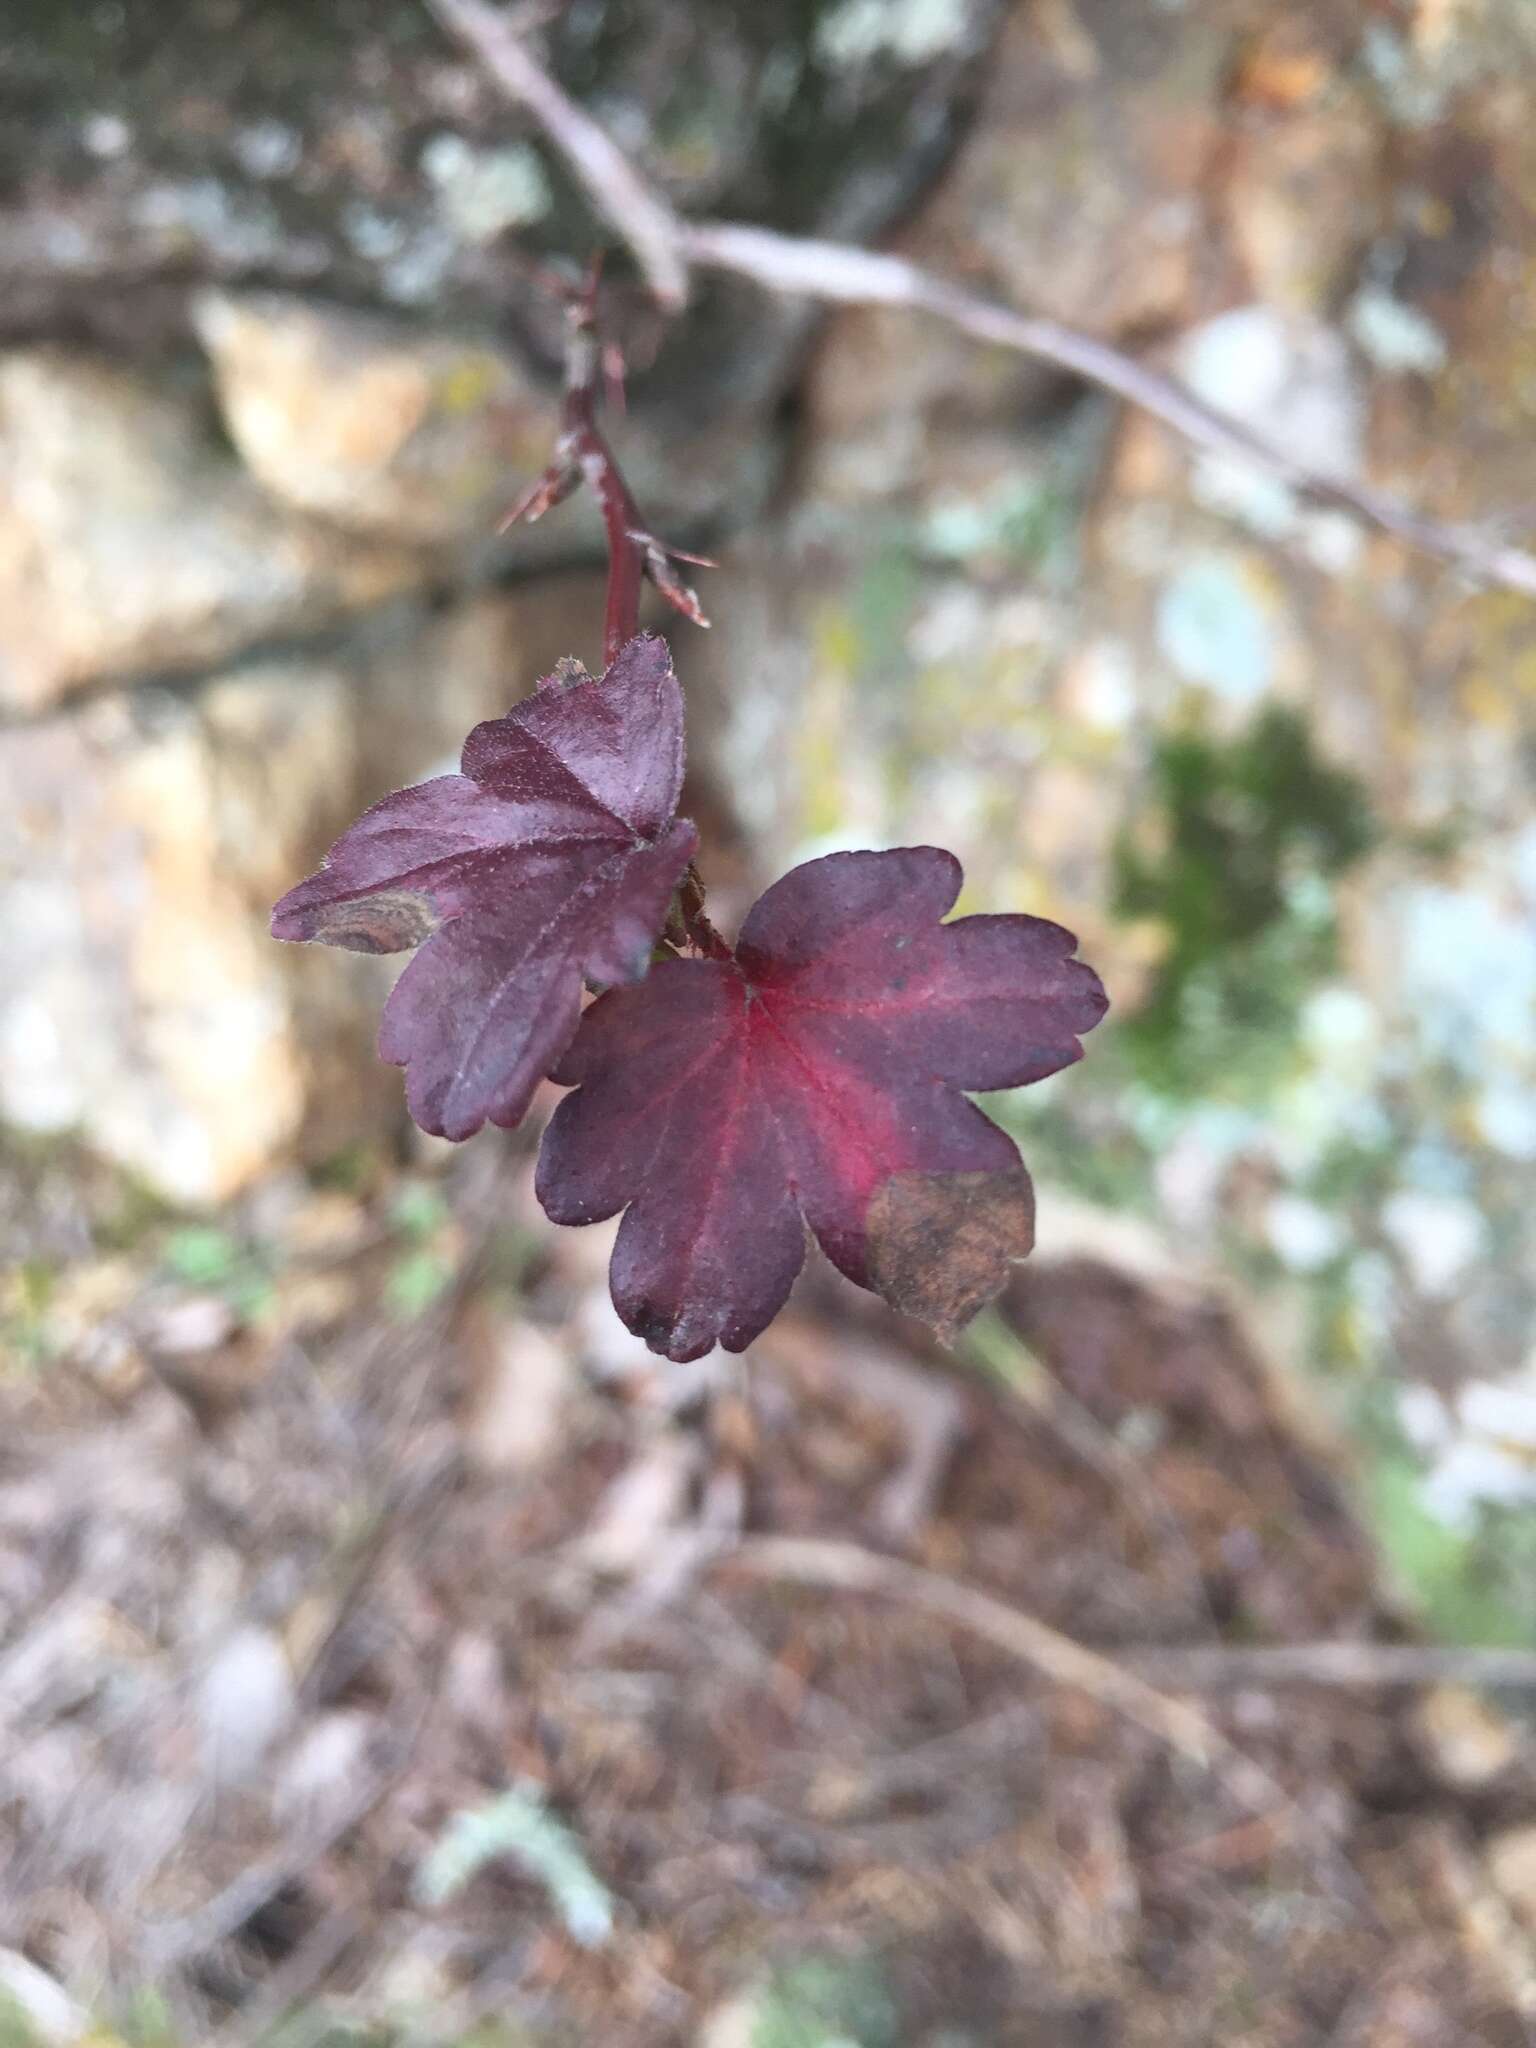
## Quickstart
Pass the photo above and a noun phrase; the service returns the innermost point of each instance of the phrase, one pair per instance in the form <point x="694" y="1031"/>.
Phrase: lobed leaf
<point x="550" y="859"/>
<point x="816" y="1081"/>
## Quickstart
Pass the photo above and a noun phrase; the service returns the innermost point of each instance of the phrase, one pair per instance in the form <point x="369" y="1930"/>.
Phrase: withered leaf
<point x="941" y="1244"/>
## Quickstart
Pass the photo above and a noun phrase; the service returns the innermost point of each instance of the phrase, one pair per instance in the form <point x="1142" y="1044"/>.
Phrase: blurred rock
<point x="385" y="430"/>
<point x="189" y="1326"/>
<point x="143" y="840"/>
<point x="1465" y="1742"/>
<point x="1074" y="193"/>
<point x="1127" y="172"/>
<point x="1512" y="1866"/>
<point x="523" y="1383"/>
<point x="424" y="437"/>
<point x="145" y="1006"/>
<point x="643" y="1507"/>
<point x="1006" y="617"/>
<point x="736" y="2024"/>
<point x="322" y="1773"/>
<point x="365" y="161"/>
<point x="1075" y="190"/>
<point x="128" y="544"/>
<point x="358" y="153"/>
<point x="1305" y="170"/>
<point x="246" y="1701"/>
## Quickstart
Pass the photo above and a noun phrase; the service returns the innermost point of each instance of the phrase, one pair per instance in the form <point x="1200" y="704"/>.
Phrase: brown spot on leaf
<point x="565" y="674"/>
<point x="940" y="1244"/>
<point x="390" y="921"/>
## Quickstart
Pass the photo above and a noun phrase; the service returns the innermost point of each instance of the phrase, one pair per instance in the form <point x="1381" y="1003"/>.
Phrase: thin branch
<point x="848" y="1567"/>
<point x="582" y="456"/>
<point x="848" y="276"/>
<point x="665" y="245"/>
<point x="646" y="222"/>
<point x="1357" y="1666"/>
<point x="697" y="929"/>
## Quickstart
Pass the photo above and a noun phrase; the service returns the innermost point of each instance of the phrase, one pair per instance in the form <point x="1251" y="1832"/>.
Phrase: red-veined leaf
<point x="816" y="1080"/>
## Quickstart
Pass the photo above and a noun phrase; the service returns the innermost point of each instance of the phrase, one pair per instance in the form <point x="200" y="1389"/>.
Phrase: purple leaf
<point x="815" y="1081"/>
<point x="550" y="859"/>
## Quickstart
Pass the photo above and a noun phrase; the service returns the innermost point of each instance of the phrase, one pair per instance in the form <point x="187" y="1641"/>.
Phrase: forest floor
<point x="391" y="1651"/>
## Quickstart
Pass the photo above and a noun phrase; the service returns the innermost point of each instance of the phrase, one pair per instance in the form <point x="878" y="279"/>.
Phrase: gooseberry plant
<point x="812" y="1077"/>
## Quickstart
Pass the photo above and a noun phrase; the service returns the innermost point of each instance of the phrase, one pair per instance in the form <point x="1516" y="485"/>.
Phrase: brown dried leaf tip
<point x="941" y="1244"/>
<point x="389" y="921"/>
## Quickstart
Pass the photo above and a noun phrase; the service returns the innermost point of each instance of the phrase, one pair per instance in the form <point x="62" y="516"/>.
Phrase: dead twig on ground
<point x="847" y="1567"/>
<point x="997" y="1347"/>
<point x="1359" y="1666"/>
<point x="293" y="1980"/>
<point x="665" y="246"/>
<point x="167" y="1945"/>
<point x="928" y="1408"/>
<point x="1491" y="1928"/>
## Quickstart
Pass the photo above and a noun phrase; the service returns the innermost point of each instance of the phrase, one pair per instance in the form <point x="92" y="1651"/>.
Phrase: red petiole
<point x="583" y="456"/>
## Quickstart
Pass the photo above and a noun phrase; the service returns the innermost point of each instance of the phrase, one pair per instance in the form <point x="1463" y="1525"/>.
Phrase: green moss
<point x="16" y="2030"/>
<point x="202" y="1256"/>
<point x="1355" y="1173"/>
<point x="1030" y="520"/>
<point x="1234" y="857"/>
<point x="1471" y="1588"/>
<point x="1079" y="1138"/>
<point x="147" y="2020"/>
<point x="426" y="1262"/>
<point x="881" y="604"/>
<point x="826" y="2002"/>
<point x="118" y="1209"/>
<point x="416" y="1280"/>
<point x="1026" y="522"/>
<point x="360" y="1168"/>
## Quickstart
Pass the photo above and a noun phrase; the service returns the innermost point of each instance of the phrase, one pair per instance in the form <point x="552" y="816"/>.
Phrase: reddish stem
<point x="702" y="935"/>
<point x="582" y="455"/>
<point x="582" y="442"/>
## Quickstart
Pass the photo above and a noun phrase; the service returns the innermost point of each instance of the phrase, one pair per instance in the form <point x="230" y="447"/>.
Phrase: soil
<point x="765" y="1778"/>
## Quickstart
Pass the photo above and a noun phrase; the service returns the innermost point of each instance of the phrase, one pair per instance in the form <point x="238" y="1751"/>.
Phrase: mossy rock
<point x="352" y="150"/>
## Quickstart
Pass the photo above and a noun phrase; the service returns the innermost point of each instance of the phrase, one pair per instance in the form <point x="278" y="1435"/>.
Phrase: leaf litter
<point x="766" y="1780"/>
